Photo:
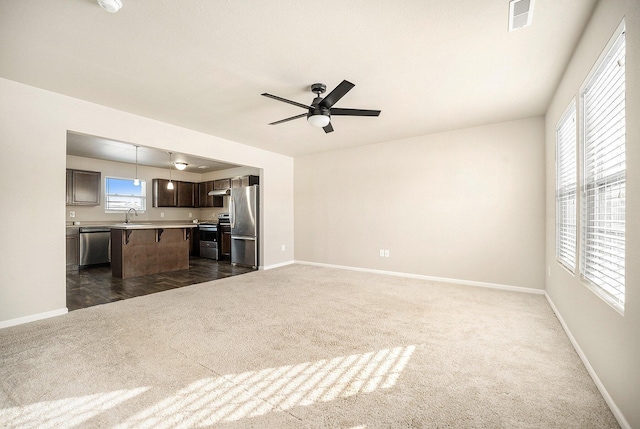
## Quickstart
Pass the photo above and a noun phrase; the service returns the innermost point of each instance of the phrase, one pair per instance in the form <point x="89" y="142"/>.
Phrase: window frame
<point x="597" y="185"/>
<point x="143" y="197"/>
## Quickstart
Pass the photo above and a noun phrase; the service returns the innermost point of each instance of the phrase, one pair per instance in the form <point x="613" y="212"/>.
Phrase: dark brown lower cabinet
<point x="73" y="248"/>
<point x="225" y="248"/>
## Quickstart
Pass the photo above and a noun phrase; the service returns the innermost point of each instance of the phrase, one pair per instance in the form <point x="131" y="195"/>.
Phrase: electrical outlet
<point x="382" y="253"/>
<point x="161" y="214"/>
<point x="386" y="253"/>
<point x="549" y="270"/>
<point x="283" y="247"/>
<point x="190" y="215"/>
<point x="72" y="214"/>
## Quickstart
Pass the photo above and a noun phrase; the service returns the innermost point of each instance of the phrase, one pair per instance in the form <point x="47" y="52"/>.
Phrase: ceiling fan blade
<point x="354" y="112"/>
<point x="284" y="100"/>
<point x="328" y="128"/>
<point x="337" y="93"/>
<point x="302" y="115"/>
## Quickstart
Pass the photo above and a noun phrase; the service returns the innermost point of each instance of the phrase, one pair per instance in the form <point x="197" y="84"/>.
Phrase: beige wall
<point x="610" y="341"/>
<point x="119" y="169"/>
<point x="465" y="205"/>
<point x="33" y="130"/>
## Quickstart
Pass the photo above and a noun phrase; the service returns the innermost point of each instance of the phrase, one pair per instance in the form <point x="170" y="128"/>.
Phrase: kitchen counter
<point x="134" y="225"/>
<point x="137" y="225"/>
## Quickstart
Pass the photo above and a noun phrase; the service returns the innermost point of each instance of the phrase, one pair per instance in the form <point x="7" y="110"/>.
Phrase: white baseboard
<point x="281" y="264"/>
<point x="33" y="317"/>
<point x="603" y="391"/>
<point x="431" y="278"/>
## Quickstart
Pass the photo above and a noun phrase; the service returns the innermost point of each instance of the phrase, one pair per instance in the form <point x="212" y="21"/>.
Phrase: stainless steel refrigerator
<point x="243" y="215"/>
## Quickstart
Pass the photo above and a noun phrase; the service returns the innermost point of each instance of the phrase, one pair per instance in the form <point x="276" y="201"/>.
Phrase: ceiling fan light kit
<point x="320" y="111"/>
<point x="319" y="121"/>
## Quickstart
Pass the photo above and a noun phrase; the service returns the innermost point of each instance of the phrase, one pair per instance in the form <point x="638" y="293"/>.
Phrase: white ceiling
<point x="100" y="148"/>
<point x="429" y="65"/>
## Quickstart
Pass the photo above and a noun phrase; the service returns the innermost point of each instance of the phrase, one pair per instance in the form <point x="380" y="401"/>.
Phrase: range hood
<point x="219" y="192"/>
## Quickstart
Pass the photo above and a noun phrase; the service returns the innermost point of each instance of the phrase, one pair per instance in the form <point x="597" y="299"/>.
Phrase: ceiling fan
<point x="320" y="111"/>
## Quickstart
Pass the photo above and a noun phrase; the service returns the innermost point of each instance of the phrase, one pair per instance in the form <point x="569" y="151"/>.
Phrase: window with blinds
<point x="123" y="194"/>
<point x="604" y="165"/>
<point x="566" y="188"/>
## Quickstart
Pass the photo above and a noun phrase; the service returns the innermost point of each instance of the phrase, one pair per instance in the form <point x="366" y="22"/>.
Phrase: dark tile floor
<point x="95" y="285"/>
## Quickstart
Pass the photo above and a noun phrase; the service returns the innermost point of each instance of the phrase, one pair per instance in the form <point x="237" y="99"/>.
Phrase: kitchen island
<point x="141" y="249"/>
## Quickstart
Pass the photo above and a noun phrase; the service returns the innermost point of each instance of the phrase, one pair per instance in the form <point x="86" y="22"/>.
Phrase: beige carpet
<point x="301" y="347"/>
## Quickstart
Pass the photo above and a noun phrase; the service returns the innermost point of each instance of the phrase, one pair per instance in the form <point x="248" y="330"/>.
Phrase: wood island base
<point x="138" y="252"/>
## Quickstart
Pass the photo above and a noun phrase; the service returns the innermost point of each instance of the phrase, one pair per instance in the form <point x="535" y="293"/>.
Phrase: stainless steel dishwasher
<point x="95" y="245"/>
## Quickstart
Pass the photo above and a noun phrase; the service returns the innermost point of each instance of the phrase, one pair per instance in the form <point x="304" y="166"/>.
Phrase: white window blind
<point x="566" y="188"/>
<point x="604" y="182"/>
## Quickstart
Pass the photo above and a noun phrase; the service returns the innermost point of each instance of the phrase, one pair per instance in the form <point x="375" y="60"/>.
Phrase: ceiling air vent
<point x="520" y="13"/>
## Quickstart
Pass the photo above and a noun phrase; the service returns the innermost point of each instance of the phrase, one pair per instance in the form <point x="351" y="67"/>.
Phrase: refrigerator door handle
<point x="232" y="211"/>
<point x="233" y="237"/>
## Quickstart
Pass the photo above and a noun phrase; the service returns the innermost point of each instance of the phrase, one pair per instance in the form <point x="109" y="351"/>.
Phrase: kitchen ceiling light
<point x="136" y="181"/>
<point x="111" y="6"/>
<point x="180" y="165"/>
<point x="170" y="184"/>
<point x="319" y="121"/>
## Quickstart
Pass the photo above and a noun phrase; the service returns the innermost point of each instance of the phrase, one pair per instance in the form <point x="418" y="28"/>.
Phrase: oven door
<point x="208" y="234"/>
<point x="209" y="242"/>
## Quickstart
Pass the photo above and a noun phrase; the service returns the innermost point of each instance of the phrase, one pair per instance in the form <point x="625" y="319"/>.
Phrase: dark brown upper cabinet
<point x="221" y="184"/>
<point x="183" y="194"/>
<point x="207" y="200"/>
<point x="186" y="194"/>
<point x="237" y="182"/>
<point x="163" y="197"/>
<point x="83" y="188"/>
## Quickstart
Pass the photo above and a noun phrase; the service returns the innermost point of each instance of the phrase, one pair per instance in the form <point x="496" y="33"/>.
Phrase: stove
<point x="223" y="218"/>
<point x="208" y="240"/>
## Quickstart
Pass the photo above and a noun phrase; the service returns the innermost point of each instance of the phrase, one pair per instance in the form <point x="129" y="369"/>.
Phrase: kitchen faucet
<point x="126" y="215"/>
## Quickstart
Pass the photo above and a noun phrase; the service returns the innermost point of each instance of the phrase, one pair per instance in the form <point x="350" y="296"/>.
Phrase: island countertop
<point x="134" y="225"/>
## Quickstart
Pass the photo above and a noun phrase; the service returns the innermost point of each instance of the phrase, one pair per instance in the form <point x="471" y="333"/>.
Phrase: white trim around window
<point x="602" y="262"/>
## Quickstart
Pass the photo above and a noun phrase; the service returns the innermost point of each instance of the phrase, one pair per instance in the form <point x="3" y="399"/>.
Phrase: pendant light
<point x="170" y="184"/>
<point x="136" y="181"/>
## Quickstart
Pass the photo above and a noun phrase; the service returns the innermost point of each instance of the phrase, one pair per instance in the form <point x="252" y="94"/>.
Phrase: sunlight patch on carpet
<point x="254" y="393"/>
<point x="68" y="412"/>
